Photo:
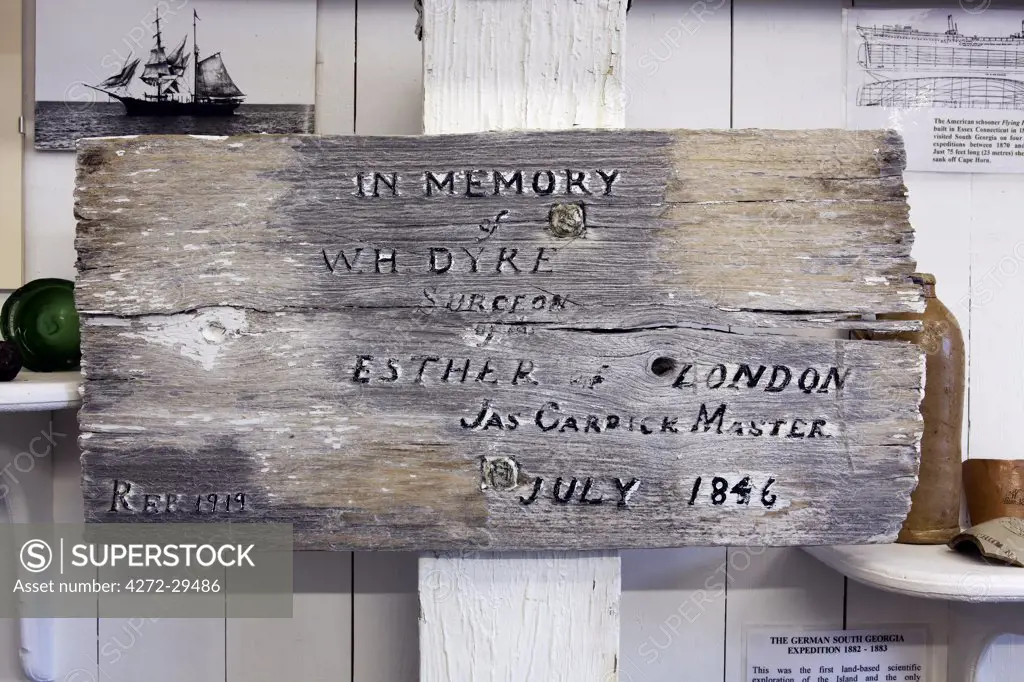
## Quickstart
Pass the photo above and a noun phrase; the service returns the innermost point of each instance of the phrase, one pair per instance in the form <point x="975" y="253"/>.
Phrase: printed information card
<point x="951" y="81"/>
<point x="964" y="143"/>
<point x="898" y="654"/>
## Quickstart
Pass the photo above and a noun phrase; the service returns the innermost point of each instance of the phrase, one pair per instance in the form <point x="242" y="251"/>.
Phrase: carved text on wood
<point x="504" y="341"/>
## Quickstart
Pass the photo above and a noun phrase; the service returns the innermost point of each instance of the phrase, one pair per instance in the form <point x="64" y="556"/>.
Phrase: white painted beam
<point x="490" y="617"/>
<point x="522" y="64"/>
<point x="502" y="65"/>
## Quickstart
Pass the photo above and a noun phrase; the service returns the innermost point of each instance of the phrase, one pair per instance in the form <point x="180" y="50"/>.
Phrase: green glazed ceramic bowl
<point x="40" y="318"/>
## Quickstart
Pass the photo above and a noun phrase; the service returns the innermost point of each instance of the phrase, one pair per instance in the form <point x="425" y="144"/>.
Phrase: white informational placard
<point x="788" y="654"/>
<point x="952" y="82"/>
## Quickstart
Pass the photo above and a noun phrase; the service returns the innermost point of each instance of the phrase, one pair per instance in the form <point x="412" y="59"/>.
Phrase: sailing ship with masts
<point x="213" y="91"/>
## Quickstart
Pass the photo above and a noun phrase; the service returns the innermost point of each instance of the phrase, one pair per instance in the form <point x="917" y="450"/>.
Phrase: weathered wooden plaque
<point x="505" y="341"/>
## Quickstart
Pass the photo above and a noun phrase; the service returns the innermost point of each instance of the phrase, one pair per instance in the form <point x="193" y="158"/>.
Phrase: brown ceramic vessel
<point x="995" y="488"/>
<point x="935" y="505"/>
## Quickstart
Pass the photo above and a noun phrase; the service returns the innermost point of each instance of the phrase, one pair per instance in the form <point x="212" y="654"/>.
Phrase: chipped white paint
<point x="112" y="322"/>
<point x="503" y="65"/>
<point x="118" y="137"/>
<point x="119" y="427"/>
<point x="498" y="65"/>
<point x="519" y="617"/>
<point x="197" y="336"/>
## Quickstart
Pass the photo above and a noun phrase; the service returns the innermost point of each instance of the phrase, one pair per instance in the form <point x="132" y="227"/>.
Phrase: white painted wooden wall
<point x="689" y="63"/>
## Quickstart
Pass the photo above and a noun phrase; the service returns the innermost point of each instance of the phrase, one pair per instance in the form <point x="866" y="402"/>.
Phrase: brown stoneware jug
<point x="995" y="488"/>
<point x="935" y="505"/>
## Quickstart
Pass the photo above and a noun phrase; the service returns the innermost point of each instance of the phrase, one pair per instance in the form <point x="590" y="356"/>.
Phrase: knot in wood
<point x="499" y="473"/>
<point x="214" y="332"/>
<point x="568" y="220"/>
<point x="662" y="365"/>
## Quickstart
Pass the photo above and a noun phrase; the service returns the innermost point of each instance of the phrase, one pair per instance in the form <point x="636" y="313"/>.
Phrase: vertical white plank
<point x="971" y="628"/>
<point x="386" y="609"/>
<point x="940" y="211"/>
<point x="767" y="587"/>
<point x="335" y="67"/>
<point x="76" y="651"/>
<point x="26" y="465"/>
<point x="787" y="73"/>
<point x="500" y="65"/>
<point x="49" y="224"/>
<point x="505" y="64"/>
<point x="67" y="468"/>
<point x="389" y="69"/>
<point x="132" y="649"/>
<point x="1002" y="660"/>
<point x="788" y="64"/>
<point x="49" y="185"/>
<point x="10" y="668"/>
<point x="996" y="395"/>
<point x="673" y="614"/>
<point x="49" y="214"/>
<point x="315" y="644"/>
<point x="867" y="608"/>
<point x="512" y="616"/>
<point x="677" y="64"/>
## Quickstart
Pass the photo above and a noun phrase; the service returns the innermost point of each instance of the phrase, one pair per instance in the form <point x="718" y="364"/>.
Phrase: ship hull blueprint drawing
<point x="951" y="81"/>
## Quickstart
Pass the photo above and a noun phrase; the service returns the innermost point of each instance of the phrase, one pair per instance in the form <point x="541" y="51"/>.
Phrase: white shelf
<point x="37" y="392"/>
<point x="931" y="571"/>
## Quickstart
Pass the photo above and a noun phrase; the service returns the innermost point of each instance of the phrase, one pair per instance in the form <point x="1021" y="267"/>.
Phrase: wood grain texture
<point x="575" y="82"/>
<point x="236" y="345"/>
<point x="523" y="65"/>
<point x="315" y="643"/>
<point x="807" y="236"/>
<point x="397" y="464"/>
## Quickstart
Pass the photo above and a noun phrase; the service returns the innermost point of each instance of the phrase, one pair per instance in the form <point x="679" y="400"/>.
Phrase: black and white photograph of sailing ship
<point x="201" y="67"/>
